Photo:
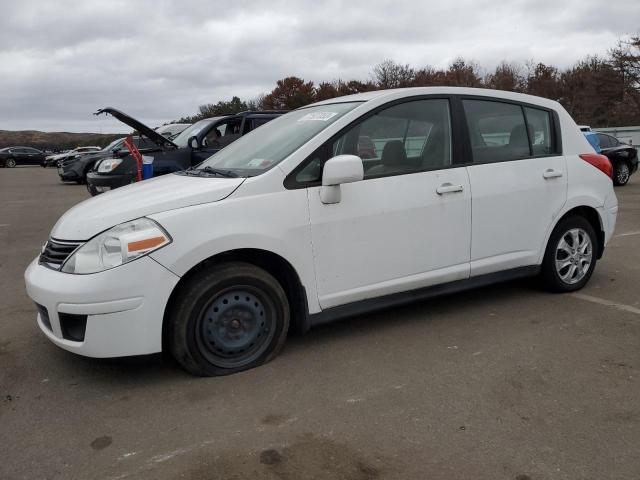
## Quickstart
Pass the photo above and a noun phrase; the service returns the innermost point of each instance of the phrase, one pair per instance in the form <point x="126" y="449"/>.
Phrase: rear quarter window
<point x="540" y="131"/>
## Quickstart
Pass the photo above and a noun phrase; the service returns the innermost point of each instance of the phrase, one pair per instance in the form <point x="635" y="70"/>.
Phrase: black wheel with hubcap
<point x="228" y="318"/>
<point x="10" y="163"/>
<point x="621" y="173"/>
<point x="571" y="254"/>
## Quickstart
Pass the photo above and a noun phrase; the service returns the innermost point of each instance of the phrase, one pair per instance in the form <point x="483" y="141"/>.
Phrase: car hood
<point x="168" y="192"/>
<point x="148" y="132"/>
<point x="57" y="156"/>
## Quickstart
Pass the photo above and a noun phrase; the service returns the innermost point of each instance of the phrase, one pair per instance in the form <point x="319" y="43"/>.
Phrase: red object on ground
<point x="135" y="153"/>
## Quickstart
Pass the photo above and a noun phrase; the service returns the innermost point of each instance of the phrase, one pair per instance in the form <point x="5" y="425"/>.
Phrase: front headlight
<point x="116" y="246"/>
<point x="108" y="165"/>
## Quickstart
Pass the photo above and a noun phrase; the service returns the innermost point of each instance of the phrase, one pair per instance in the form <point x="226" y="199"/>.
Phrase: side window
<point x="604" y="140"/>
<point x="497" y="131"/>
<point x="312" y="170"/>
<point x="405" y="138"/>
<point x="212" y="139"/>
<point x="223" y="134"/>
<point x="539" y="122"/>
<point x="256" y="122"/>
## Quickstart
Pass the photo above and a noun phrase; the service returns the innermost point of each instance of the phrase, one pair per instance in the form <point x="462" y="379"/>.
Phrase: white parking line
<point x="627" y="234"/>
<point x="608" y="303"/>
<point x="4" y="225"/>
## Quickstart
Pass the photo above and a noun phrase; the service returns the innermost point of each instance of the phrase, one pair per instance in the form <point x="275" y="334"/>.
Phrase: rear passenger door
<point x="518" y="182"/>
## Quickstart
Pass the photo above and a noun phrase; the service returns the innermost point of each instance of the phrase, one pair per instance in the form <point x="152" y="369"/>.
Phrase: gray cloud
<point x="60" y="61"/>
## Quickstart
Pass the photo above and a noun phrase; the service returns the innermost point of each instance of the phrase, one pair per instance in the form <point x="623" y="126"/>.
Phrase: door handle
<point x="448" y="188"/>
<point x="551" y="173"/>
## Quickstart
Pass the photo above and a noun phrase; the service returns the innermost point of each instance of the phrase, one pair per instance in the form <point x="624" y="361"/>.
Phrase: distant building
<point x="630" y="135"/>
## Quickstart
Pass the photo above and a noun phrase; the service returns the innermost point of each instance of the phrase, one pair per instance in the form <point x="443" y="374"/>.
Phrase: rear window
<point x="502" y="131"/>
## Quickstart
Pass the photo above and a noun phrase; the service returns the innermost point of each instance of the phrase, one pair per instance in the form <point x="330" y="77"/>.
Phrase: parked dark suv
<point x="12" y="156"/>
<point x="192" y="146"/>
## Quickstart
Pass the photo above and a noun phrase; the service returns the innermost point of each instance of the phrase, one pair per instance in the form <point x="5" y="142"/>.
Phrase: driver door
<point x="407" y="225"/>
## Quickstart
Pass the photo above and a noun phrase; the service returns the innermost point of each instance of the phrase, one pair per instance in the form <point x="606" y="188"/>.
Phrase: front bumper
<point x="68" y="175"/>
<point x="124" y="306"/>
<point x="111" y="181"/>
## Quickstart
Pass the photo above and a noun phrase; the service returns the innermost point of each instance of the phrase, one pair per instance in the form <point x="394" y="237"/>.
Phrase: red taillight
<point x="601" y="162"/>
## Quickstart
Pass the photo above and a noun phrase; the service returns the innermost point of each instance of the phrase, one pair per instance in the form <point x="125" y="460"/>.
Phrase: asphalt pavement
<point x="505" y="382"/>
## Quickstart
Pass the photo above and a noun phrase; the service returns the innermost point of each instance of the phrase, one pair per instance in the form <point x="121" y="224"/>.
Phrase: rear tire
<point x="570" y="257"/>
<point x="226" y="319"/>
<point x="621" y="173"/>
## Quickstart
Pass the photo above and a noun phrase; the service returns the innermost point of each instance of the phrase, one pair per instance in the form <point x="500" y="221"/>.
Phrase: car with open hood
<point x="288" y="227"/>
<point x="193" y="145"/>
<point x="75" y="169"/>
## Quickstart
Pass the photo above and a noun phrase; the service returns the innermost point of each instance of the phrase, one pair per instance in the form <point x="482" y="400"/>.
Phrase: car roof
<point x="396" y="93"/>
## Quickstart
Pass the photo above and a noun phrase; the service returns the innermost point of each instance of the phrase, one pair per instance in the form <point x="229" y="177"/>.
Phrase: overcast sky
<point x="158" y="60"/>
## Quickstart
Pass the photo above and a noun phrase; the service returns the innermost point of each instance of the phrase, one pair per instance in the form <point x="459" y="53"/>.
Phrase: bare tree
<point x="389" y="74"/>
<point x="506" y="76"/>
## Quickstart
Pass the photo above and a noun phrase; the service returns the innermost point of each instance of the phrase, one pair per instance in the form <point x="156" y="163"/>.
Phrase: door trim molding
<point x="402" y="298"/>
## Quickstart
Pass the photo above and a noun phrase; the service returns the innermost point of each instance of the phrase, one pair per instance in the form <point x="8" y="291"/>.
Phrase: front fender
<point x="276" y="222"/>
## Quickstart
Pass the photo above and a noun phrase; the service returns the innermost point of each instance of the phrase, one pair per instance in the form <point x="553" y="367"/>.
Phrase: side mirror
<point x="193" y="142"/>
<point x="339" y="170"/>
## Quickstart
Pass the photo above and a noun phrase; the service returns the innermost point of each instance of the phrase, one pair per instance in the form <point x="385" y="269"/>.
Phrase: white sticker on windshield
<point x="317" y="116"/>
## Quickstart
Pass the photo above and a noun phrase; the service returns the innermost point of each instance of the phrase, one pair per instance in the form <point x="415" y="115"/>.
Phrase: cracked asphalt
<point x="506" y="382"/>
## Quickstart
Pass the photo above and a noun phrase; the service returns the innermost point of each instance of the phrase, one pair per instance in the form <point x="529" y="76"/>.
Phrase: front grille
<point x="55" y="252"/>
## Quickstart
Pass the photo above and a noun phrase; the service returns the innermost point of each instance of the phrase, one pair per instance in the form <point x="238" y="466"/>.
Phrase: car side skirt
<point x="403" y="298"/>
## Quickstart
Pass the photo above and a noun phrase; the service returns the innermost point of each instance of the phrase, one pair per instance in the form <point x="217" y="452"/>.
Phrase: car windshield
<point x="182" y="139"/>
<point x="268" y="145"/>
<point x="113" y="145"/>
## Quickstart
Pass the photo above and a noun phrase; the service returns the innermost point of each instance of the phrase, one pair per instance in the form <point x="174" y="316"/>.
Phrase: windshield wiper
<point x="221" y="172"/>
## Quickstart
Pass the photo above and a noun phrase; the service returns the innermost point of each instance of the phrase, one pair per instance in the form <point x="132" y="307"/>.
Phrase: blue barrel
<point x="147" y="167"/>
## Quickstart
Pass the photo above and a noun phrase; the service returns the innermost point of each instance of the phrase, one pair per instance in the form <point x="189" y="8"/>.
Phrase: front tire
<point x="621" y="173"/>
<point x="10" y="163"/>
<point x="570" y="257"/>
<point x="226" y="319"/>
<point x="93" y="191"/>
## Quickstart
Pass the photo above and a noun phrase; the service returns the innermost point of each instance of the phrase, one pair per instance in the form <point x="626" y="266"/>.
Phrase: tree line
<point x="601" y="91"/>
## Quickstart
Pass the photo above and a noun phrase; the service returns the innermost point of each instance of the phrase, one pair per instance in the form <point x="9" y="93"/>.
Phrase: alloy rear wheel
<point x="621" y="173"/>
<point x="571" y="255"/>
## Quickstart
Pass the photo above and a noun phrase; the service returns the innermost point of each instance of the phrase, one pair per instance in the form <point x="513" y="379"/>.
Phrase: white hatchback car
<point x="296" y="224"/>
